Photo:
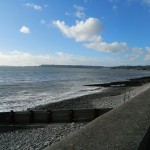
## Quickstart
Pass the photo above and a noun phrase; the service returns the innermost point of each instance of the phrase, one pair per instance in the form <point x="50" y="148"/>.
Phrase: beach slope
<point x="122" y="128"/>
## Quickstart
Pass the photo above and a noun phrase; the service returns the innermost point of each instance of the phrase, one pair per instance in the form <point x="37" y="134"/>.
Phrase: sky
<point x="74" y="32"/>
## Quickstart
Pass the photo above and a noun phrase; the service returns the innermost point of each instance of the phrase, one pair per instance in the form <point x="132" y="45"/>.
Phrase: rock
<point x="46" y="143"/>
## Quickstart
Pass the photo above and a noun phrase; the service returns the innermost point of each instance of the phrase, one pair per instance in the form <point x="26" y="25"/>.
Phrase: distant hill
<point x="132" y="67"/>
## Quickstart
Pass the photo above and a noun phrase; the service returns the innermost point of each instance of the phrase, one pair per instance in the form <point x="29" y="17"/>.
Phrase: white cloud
<point x="137" y="51"/>
<point x="88" y="32"/>
<point x="134" y="53"/>
<point x="42" y="21"/>
<point x="114" y="47"/>
<point x="147" y="56"/>
<point x="45" y="6"/>
<point x="34" y="6"/>
<point x="112" y="1"/>
<point x="146" y="1"/>
<point x="79" y="11"/>
<point x="24" y="29"/>
<point x="68" y="14"/>
<point x="80" y="14"/>
<point x="80" y="8"/>
<point x="115" y="7"/>
<point x="83" y="30"/>
<point x="18" y="58"/>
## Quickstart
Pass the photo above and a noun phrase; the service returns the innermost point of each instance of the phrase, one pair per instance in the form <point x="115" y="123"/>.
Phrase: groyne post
<point x="12" y="118"/>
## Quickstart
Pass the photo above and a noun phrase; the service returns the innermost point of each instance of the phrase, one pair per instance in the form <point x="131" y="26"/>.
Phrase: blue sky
<point x="75" y="32"/>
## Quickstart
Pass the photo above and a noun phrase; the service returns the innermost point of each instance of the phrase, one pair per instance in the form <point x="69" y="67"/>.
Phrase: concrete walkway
<point x="120" y="129"/>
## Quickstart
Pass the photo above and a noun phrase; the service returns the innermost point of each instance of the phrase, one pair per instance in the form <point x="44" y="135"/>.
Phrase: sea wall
<point x="122" y="128"/>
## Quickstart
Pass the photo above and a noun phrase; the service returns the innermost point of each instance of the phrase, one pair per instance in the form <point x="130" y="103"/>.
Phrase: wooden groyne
<point x="51" y="116"/>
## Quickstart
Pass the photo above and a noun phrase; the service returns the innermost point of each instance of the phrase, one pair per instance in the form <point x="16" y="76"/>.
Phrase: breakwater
<point x="128" y="83"/>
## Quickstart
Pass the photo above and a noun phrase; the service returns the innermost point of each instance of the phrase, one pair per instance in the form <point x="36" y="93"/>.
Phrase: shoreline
<point x="81" y="102"/>
<point x="39" y="138"/>
<point x="121" y="90"/>
<point x="111" y="97"/>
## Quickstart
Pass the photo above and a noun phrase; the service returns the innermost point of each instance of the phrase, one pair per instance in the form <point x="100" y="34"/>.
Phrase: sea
<point x="26" y="87"/>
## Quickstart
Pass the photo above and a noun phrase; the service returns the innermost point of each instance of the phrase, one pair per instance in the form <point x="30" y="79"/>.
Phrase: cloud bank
<point x="18" y="58"/>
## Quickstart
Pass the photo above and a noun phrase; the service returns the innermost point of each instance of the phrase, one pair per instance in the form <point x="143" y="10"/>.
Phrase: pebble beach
<point x="39" y="138"/>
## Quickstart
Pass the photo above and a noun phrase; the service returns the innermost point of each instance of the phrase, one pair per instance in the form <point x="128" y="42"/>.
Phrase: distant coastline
<point x="73" y="66"/>
<point x="139" y="67"/>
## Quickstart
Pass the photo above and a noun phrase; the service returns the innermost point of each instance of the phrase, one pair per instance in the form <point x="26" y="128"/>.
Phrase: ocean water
<point x="26" y="87"/>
